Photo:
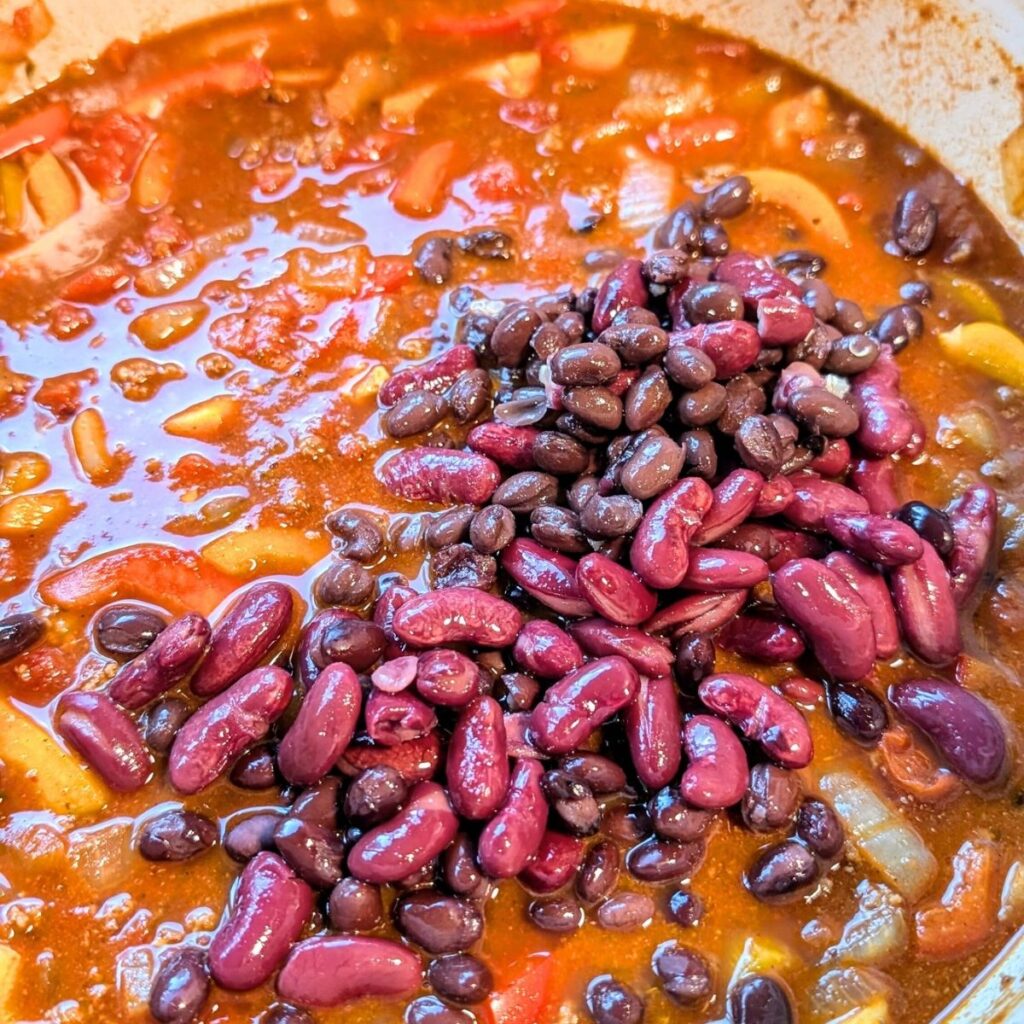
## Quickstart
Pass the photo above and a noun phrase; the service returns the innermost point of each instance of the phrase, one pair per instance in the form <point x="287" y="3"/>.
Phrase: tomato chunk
<point x="524" y="998"/>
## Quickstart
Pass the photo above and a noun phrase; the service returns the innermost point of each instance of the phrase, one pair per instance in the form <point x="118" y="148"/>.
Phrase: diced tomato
<point x="418" y="189"/>
<point x="67" y="321"/>
<point x="520" y="16"/>
<point x="36" y="131"/>
<point x="522" y="1000"/>
<point x="194" y="471"/>
<point x="44" y="670"/>
<point x="390" y="273"/>
<point x="265" y="334"/>
<point x="913" y="769"/>
<point x="97" y="283"/>
<point x="111" y="148"/>
<point x="230" y="78"/>
<point x="62" y="395"/>
<point x="687" y="136"/>
<point x="497" y="181"/>
<point x="170" y="578"/>
<point x="166" y="236"/>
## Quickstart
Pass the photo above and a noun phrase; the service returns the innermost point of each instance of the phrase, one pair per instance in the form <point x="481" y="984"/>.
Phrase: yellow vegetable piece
<point x="991" y="349"/>
<point x="876" y="1012"/>
<point x="972" y="295"/>
<point x="165" y="276"/>
<point x="760" y="955"/>
<point x="799" y="116"/>
<point x="162" y="326"/>
<point x="342" y="274"/>
<point x="264" y="550"/>
<point x="10" y="964"/>
<point x="42" y="512"/>
<point x="62" y="782"/>
<point x="399" y="110"/>
<point x="514" y="76"/>
<point x="803" y="198"/>
<point x="1012" y="154"/>
<point x="52" y="190"/>
<point x="12" y="194"/>
<point x="154" y="180"/>
<point x="89" y="438"/>
<point x="597" y="50"/>
<point x="20" y="471"/>
<point x="365" y="78"/>
<point x="209" y="420"/>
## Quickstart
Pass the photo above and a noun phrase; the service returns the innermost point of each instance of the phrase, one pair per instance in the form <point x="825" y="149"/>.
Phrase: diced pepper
<point x="799" y="117"/>
<point x="230" y="78"/>
<point x="162" y="326"/>
<point x="991" y="349"/>
<point x="167" y="275"/>
<point x="971" y="294"/>
<point x="264" y="550"/>
<point x="39" y="130"/>
<point x="340" y="274"/>
<point x="597" y="50"/>
<point x="51" y="189"/>
<point x="515" y="17"/>
<point x="522" y="1000"/>
<point x="12" y="194"/>
<point x="418" y="190"/>
<point x="514" y="76"/>
<point x="364" y="79"/>
<point x="803" y="198"/>
<point x="389" y="274"/>
<point x="209" y="420"/>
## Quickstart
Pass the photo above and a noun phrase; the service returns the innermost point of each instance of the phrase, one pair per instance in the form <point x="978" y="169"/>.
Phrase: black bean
<point x="313" y="851"/>
<point x="800" y="263"/>
<point x="666" y="267"/>
<point x="461" y="565"/>
<point x="433" y="260"/>
<point x="556" y="303"/>
<point x="636" y="343"/>
<point x="596" y="406"/>
<point x="344" y="583"/>
<point x="626" y="822"/>
<point x="695" y="658"/>
<point x="612" y="1002"/>
<point x="852" y="353"/>
<point x="616" y="515"/>
<point x="849" y="317"/>
<point x="759" y="445"/>
<point x="899" y="326"/>
<point x="523" y="492"/>
<point x="548" y="339"/>
<point x="488" y="244"/>
<point x="162" y="722"/>
<point x="586" y="363"/>
<point x="713" y="302"/>
<point x="599" y="871"/>
<point x="246" y="838"/>
<point x="823" y="412"/>
<point x="319" y="803"/>
<point x="522" y="408"/>
<point x="572" y="801"/>
<point x="521" y="691"/>
<point x="601" y="774"/>
<point x="689" y="367"/>
<point x="460" y="870"/>
<point x="474" y="329"/>
<point x="575" y="427"/>
<point x="771" y="799"/>
<point x="512" y="335"/>
<point x="917" y="292"/>
<point x="461" y="978"/>
<point x="374" y="795"/>
<point x="858" y="713"/>
<point x="743" y="399"/>
<point x="673" y="818"/>
<point x="176" y="835"/>
<point x="647" y="399"/>
<point x="915" y="222"/>
<point x="652" y="467"/>
<point x="585" y="299"/>
<point x="757" y="999"/>
<point x="356" y="642"/>
<point x="280" y="1013"/>
<point x="685" y="908"/>
<point x="180" y="986"/>
<point x="625" y="911"/>
<point x="572" y="325"/>
<point x="430" y="1010"/>
<point x="492" y="529"/>
<point x="560" y="915"/>
<point x="680" y="230"/>
<point x="581" y="491"/>
<point x="714" y="240"/>
<point x="449" y="527"/>
<point x="703" y="406"/>
<point x="729" y="199"/>
<point x="358" y="534"/>
<point x="814" y="349"/>
<point x="123" y="630"/>
<point x="355" y="906"/>
<point x="782" y="870"/>
<point x="559" y="529"/>
<point x="820" y="828"/>
<point x="931" y="523"/>
<point x="414" y="413"/>
<point x="255" y="768"/>
<point x="555" y="452"/>
<point x="700" y="457"/>
<point x="819" y="297"/>
<point x="470" y="395"/>
<point x="684" y="974"/>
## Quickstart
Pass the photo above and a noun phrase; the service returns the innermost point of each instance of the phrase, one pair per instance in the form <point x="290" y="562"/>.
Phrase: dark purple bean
<point x="857" y="712"/>
<point x="887" y="542"/>
<point x="572" y="802"/>
<point x="460" y="978"/>
<point x="17" y="634"/>
<point x="270" y="909"/>
<point x="415" y="412"/>
<point x="585" y="364"/>
<point x="477" y="765"/>
<point x="716" y="771"/>
<point x="242" y="841"/>
<point x="522" y="408"/>
<point x="695" y="658"/>
<point x="546" y="650"/>
<point x="556" y="861"/>
<point x="375" y="795"/>
<point x="820" y="828"/>
<point x="555" y="452"/>
<point x="771" y="799"/>
<point x="313" y="851"/>
<point x="930" y="523"/>
<point x="704" y="406"/>
<point x="394" y="718"/>
<point x="430" y="1010"/>
<point x="221" y="729"/>
<point x="560" y="915"/>
<point x="162" y="722"/>
<point x="626" y="912"/>
<point x="659" y="553"/>
<point x="635" y="341"/>
<point x="404" y="843"/>
<point x="729" y="199"/>
<point x="851" y="354"/>
<point x="972" y="519"/>
<point x="460" y="870"/>
<point x="487" y="244"/>
<point x="647" y="399"/>
<point x="282" y="1014"/>
<point x="180" y="986"/>
<point x="759" y="445"/>
<point x="328" y="970"/>
<point x="926" y="608"/>
<point x="781" y="871"/>
<point x="915" y="222"/>
<point x="458" y="615"/>
<point x="823" y="413"/>
<point x="872" y="589"/>
<point x="673" y="818"/>
<point x="689" y="367"/>
<point x="612" y="1002"/>
<point x="963" y="727"/>
<point x="355" y="906"/>
<point x="319" y="803"/>
<point x="345" y="583"/>
<point x="653" y="724"/>
<point x="433" y="259"/>
<point x="628" y="823"/>
<point x="447" y="678"/>
<point x="550" y="338"/>
<point x="470" y="395"/>
<point x="106" y="738"/>
<point x="712" y="303"/>
<point x="461" y="565"/>
<point x="899" y="326"/>
<point x="512" y="334"/>
<point x="685" y="908"/>
<point x="757" y="999"/>
<point x="600" y="773"/>
<point x="514" y="834"/>
<point x="653" y="466"/>
<point x="600" y="638"/>
<point x="558" y="529"/>
<point x="123" y="630"/>
<point x="666" y="267"/>
<point x="662" y="860"/>
<point x="684" y="974"/>
<point x="819" y="299"/>
<point x="597" y="407"/>
<point x="449" y="527"/>
<point x="599" y="872"/>
<point x="348" y="639"/>
<point x="606" y="518"/>
<point x="762" y="638"/>
<point x="438" y="923"/>
<point x="680" y="230"/>
<point x="176" y="835"/>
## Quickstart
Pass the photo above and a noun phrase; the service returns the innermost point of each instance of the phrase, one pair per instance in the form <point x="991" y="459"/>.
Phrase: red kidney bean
<point x="457" y="615"/>
<point x="715" y="570"/>
<point x="106" y="737"/>
<point x="169" y="658"/>
<point x="221" y="729"/>
<point x="314" y="851"/>
<point x="733" y="502"/>
<point x="761" y="715"/>
<point x="664" y="860"/>
<point x="328" y="970"/>
<point x="653" y="723"/>
<point x="790" y="544"/>
<point x="763" y="638"/>
<point x="515" y="833"/>
<point x="477" y="765"/>
<point x="271" y="908"/>
<point x="961" y="725"/>
<point x="875" y="481"/>
<point x="623" y="288"/>
<point x="547" y="576"/>
<point x="396" y="675"/>
<point x="415" y="760"/>
<point x="878" y="539"/>
<point x="546" y="650"/>
<point x="926" y="608"/>
<point x="820" y="829"/>
<point x="447" y="678"/>
<point x="412" y="838"/>
<point x="871" y="587"/>
<point x="387" y="605"/>
<point x="581" y="702"/>
<point x="886" y="423"/>
<point x="774" y="497"/>
<point x="509" y="446"/>
<point x="834" y="459"/>
<point x="599" y="637"/>
<point x="436" y="375"/>
<point x="716" y="775"/>
<point x="180" y="986"/>
<point x="613" y="591"/>
<point x="814" y="499"/>
<point x="783" y="320"/>
<point x="244" y="636"/>
<point x="556" y="861"/>
<point x="660" y="550"/>
<point x="443" y="475"/>
<point x="781" y="871"/>
<point x="755" y="277"/>
<point x="438" y="923"/>
<point x="973" y="517"/>
<point x="828" y="611"/>
<point x="323" y="727"/>
<point x="697" y="613"/>
<point x="732" y="345"/>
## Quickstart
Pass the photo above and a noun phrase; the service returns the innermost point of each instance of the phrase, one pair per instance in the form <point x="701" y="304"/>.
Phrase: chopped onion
<point x="877" y="932"/>
<point x="645" y="191"/>
<point x="1011" y="900"/>
<point x="846" y="989"/>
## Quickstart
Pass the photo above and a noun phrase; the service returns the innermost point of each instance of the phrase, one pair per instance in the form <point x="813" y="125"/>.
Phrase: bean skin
<point x="599" y="638"/>
<point x="447" y="678"/>
<point x="697" y="613"/>
<point x="556" y="861"/>
<point x="515" y="833"/>
<point x="716" y="770"/>
<point x="973" y="517"/>
<point x="653" y="724"/>
<point x="477" y="766"/>
<point x="757" y="999"/>
<point x="660" y="552"/>
<point x="412" y="838"/>
<point x="106" y="737"/>
<point x="547" y="576"/>
<point x="830" y="614"/>
<point x="270" y="910"/>
<point x="871" y="588"/>
<point x="329" y="970"/>
<point x="244" y="637"/>
<point x="926" y="608"/>
<point x="761" y="715"/>
<point x="439" y="474"/>
<point x="613" y="591"/>
<point x="457" y="615"/>
<point x="221" y="729"/>
<point x="395" y="718"/>
<point x="323" y="727"/>
<point x="546" y="650"/>
<point x="180" y="986"/>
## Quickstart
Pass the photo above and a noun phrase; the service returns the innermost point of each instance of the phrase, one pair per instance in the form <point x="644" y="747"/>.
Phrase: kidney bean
<point x="664" y="860"/>
<point x="314" y="851"/>
<point x="395" y="675"/>
<point x="404" y="843"/>
<point x="460" y="978"/>
<point x="716" y="773"/>
<point x="180" y="986"/>
<point x="162" y="722"/>
<point x="871" y="587"/>
<point x="355" y="906"/>
<point x="438" y="923"/>
<point x="477" y="766"/>
<point x="653" y="722"/>
<point x="393" y="718"/>
<point x="697" y="613"/>
<point x="875" y="480"/>
<point x="732" y="345"/>
<point x="623" y="288"/>
<point x="771" y="799"/>
<point x="545" y="575"/>
<point x="961" y="725"/>
<point x="761" y="715"/>
<point x="834" y="459"/>
<point x="857" y="712"/>
<point x="270" y="910"/>
<point x="684" y="974"/>
<point x="328" y="970"/>
<point x="447" y="678"/>
<point x="659" y="554"/>
<point x="556" y="861"/>
<point x="972" y="518"/>
<point x="599" y="637"/>
<point x="221" y="729"/>
<point x="773" y="499"/>
<point x="733" y="501"/>
<point x="457" y="615"/>
<point x="755" y="277"/>
<point x="383" y="615"/>
<point x="460" y="870"/>
<point x="887" y="542"/>
<point x="926" y="608"/>
<point x="915" y="222"/>
<point x="323" y="727"/>
<point x="581" y="702"/>
<point x="560" y="916"/>
<point x="818" y="826"/>
<point x="714" y="570"/>
<point x="814" y="499"/>
<point x="436" y="374"/>
<point x="439" y="474"/>
<point x="762" y="638"/>
<point x="614" y="591"/>
<point x="514" y="834"/>
<point x="886" y="423"/>
<point x="123" y="630"/>
<point x="626" y="912"/>
<point x="106" y="738"/>
<point x="246" y="838"/>
<point x="781" y="871"/>
<point x="828" y="611"/>
<point x="546" y="650"/>
<point x="176" y="835"/>
<point x="415" y="760"/>
<point x="783" y="320"/>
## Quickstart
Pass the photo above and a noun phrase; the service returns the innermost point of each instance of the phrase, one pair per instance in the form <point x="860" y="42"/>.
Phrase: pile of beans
<point x="695" y="455"/>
